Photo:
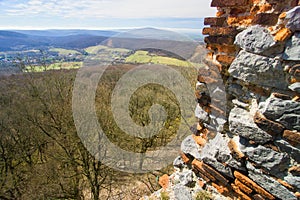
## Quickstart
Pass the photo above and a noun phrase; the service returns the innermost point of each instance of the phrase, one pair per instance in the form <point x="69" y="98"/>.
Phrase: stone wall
<point x="247" y="142"/>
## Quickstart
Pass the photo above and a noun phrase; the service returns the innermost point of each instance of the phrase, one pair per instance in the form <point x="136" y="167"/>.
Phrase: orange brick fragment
<point x="265" y="7"/>
<point x="229" y="49"/>
<point x="295" y="170"/>
<point x="221" y="189"/>
<point x="225" y="59"/>
<point x="199" y="166"/>
<point x="214" y="31"/>
<point x="285" y="184"/>
<point x="201" y="183"/>
<point x="240" y="20"/>
<point x="243" y="187"/>
<point x="234" y="150"/>
<point x="292" y="137"/>
<point x="247" y="181"/>
<point x="199" y="140"/>
<point x="282" y="15"/>
<point x="283" y="34"/>
<point x="164" y="181"/>
<point x="184" y="158"/>
<point x="220" y="13"/>
<point x="215" y="173"/>
<point x="239" y="192"/>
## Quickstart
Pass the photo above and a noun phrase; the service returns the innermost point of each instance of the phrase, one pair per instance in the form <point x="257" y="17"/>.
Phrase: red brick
<point x="292" y="137"/>
<point x="269" y="19"/>
<point x="215" y="31"/>
<point x="265" y="7"/>
<point x="199" y="140"/>
<point x="273" y="128"/>
<point x="215" y="173"/>
<point x="221" y="189"/>
<point x="283" y="34"/>
<point x="228" y="49"/>
<point x="237" y="154"/>
<point x="239" y="192"/>
<point x="243" y="187"/>
<point x="184" y="158"/>
<point x="164" y="181"/>
<point x="237" y="11"/>
<point x="247" y="181"/>
<point x="225" y="60"/>
<point x="229" y="40"/>
<point x="203" y="173"/>
<point x="229" y="3"/>
<point x="240" y="20"/>
<point x="215" y="21"/>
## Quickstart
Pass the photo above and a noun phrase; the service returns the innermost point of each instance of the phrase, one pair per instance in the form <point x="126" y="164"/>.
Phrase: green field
<point x="98" y="48"/>
<point x="143" y="57"/>
<point x="64" y="51"/>
<point x="55" y="66"/>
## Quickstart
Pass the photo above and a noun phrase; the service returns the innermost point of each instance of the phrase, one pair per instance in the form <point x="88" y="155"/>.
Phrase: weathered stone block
<point x="258" y="70"/>
<point x="293" y="180"/>
<point x="295" y="87"/>
<point x="241" y="123"/>
<point x="189" y="146"/>
<point x="255" y="39"/>
<point x="284" y="146"/>
<point x="181" y="193"/>
<point x="270" y="160"/>
<point x="292" y="48"/>
<point x="270" y="184"/>
<point x="286" y="112"/>
<point x="293" y="19"/>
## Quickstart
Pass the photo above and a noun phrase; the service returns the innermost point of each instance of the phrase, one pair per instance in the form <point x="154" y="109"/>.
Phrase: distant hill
<point x="16" y="41"/>
<point x="67" y="32"/>
<point x="20" y="40"/>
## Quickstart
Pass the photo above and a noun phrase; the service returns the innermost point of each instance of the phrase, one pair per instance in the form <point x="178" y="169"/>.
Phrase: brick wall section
<point x="234" y="16"/>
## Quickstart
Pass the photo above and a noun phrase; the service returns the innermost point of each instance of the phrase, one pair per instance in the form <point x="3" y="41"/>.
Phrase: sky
<point x="103" y="14"/>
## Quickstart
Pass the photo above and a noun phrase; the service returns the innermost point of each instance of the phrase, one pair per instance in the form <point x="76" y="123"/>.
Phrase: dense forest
<point x="41" y="155"/>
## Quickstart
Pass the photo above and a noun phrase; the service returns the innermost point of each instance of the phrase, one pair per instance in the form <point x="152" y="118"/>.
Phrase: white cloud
<point x="113" y="8"/>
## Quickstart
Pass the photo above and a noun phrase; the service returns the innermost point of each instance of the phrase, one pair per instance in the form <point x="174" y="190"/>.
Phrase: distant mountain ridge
<point x="18" y="41"/>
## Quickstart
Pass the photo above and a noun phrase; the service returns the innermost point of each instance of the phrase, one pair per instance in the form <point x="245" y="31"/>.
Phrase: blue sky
<point x="99" y="14"/>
